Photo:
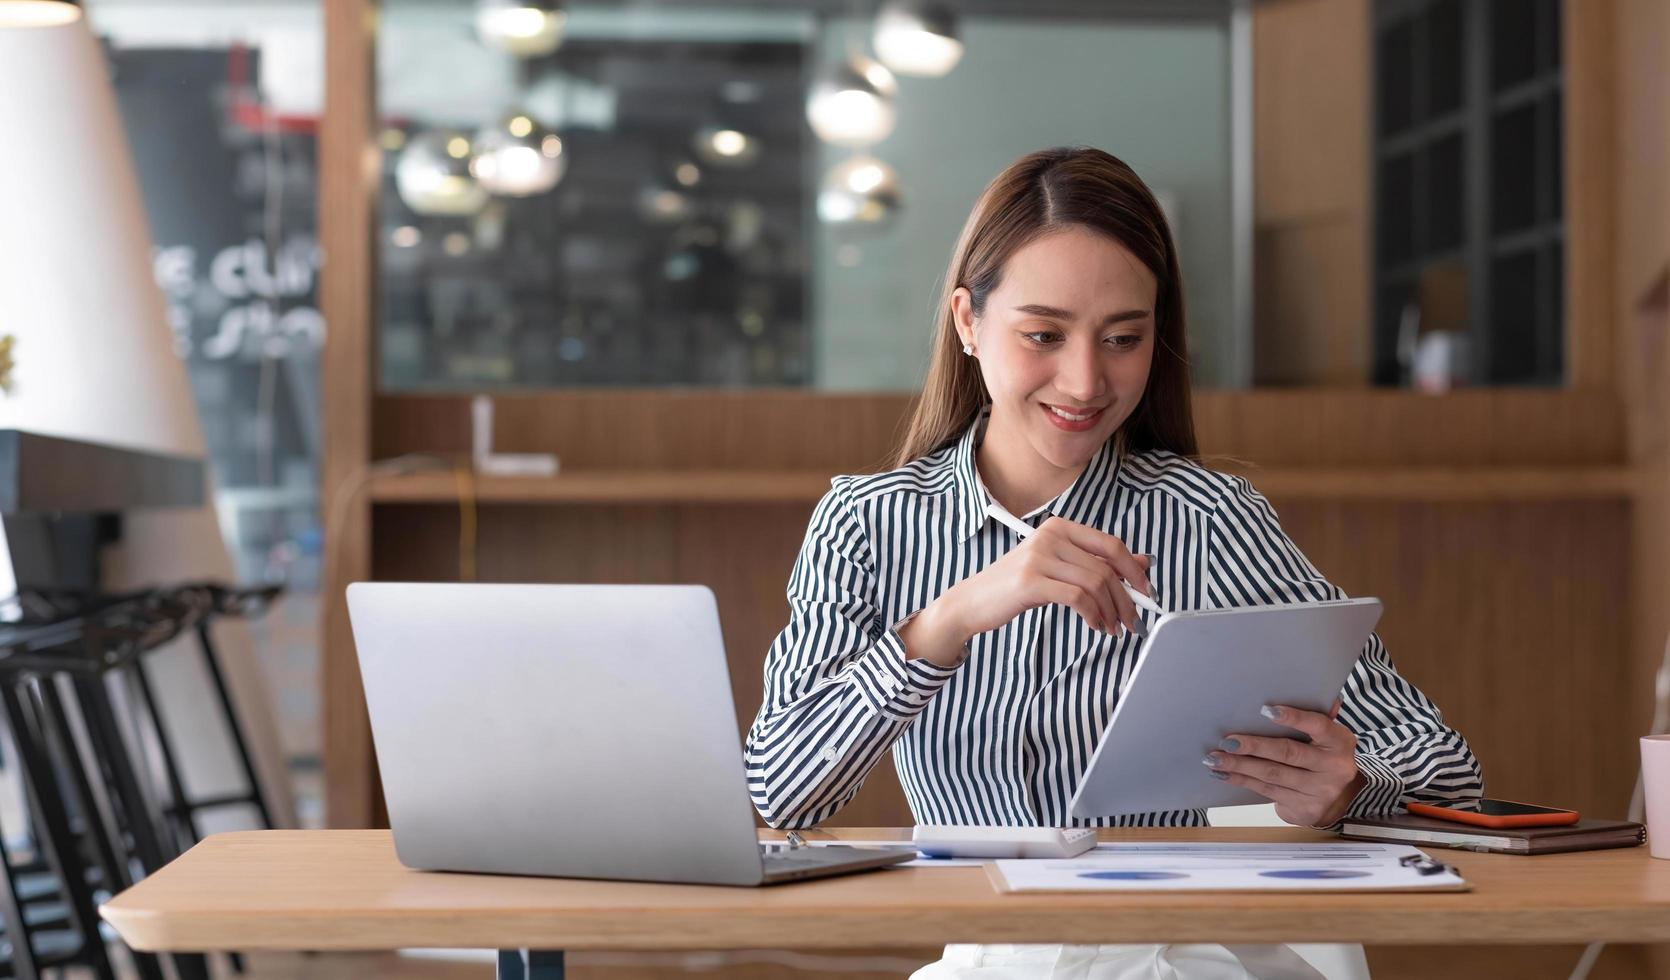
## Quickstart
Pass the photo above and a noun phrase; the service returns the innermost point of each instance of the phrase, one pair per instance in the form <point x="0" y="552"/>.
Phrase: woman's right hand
<point x="1063" y="563"/>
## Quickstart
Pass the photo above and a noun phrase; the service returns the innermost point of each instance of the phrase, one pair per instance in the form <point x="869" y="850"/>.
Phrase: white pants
<point x="1124" y="962"/>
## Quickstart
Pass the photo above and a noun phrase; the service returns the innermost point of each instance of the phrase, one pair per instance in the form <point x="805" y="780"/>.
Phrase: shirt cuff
<point x="1382" y="788"/>
<point x="894" y="685"/>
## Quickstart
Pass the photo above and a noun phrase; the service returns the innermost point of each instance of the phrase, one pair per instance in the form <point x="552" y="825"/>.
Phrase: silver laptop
<point x="581" y="731"/>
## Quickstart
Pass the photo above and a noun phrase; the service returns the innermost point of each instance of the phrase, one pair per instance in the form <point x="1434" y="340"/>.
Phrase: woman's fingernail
<point x="1209" y="759"/>
<point x="1218" y="775"/>
<point x="1229" y="744"/>
<point x="1271" y="712"/>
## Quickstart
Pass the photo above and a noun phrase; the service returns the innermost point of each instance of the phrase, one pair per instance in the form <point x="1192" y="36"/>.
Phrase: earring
<point x="968" y="349"/>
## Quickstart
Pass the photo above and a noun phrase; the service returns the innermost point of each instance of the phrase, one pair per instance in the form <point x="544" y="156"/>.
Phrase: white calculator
<point x="949" y="841"/>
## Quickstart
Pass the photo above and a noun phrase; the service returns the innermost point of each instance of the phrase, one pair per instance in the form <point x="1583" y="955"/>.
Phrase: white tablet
<point x="1205" y="674"/>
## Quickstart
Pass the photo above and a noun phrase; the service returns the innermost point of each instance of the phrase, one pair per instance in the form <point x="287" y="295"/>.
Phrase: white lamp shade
<point x="93" y="351"/>
<point x="94" y="355"/>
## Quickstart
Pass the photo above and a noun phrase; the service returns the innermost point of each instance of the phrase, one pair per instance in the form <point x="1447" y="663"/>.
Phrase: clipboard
<point x="1205" y="674"/>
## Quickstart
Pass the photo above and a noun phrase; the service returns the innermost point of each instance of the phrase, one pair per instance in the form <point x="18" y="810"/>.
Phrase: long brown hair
<point x="1043" y="192"/>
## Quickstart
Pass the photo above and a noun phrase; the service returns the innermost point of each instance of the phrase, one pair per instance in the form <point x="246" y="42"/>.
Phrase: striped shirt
<point x="1002" y="738"/>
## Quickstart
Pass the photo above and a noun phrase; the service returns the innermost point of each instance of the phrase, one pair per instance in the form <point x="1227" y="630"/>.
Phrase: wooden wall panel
<point x="1510" y="617"/>
<point x="1588" y="32"/>
<point x="1640" y="191"/>
<point x="1311" y="179"/>
<point x="1641" y="96"/>
<point x="1311" y="89"/>
<point x="855" y="433"/>
<point x="1513" y="619"/>
<point x="1306" y="332"/>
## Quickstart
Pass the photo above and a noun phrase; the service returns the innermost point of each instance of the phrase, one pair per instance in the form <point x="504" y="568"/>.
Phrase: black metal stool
<point x="109" y="815"/>
<point x="47" y="763"/>
<point x="196" y="606"/>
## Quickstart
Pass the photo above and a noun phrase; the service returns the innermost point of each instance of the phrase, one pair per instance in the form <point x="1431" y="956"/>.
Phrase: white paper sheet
<point x="1176" y="866"/>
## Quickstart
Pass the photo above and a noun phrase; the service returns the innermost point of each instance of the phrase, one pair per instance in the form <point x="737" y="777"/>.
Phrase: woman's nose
<point x="1080" y="376"/>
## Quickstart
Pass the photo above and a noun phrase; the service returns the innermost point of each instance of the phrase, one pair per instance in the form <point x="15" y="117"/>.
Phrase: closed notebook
<point x="1584" y="835"/>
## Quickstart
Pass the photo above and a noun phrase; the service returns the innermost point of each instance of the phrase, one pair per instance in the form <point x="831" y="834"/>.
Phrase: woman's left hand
<point x="1312" y="783"/>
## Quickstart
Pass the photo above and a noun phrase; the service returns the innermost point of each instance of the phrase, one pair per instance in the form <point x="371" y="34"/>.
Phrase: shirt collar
<point x="1081" y="503"/>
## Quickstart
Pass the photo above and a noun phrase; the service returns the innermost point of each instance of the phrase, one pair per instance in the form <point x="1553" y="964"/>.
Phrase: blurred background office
<point x="505" y="290"/>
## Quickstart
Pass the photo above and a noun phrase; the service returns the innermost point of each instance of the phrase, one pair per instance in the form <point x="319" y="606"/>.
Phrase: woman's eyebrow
<point x="1057" y="313"/>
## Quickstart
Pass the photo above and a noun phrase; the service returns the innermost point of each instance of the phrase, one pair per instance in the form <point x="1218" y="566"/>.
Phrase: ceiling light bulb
<point x="859" y="191"/>
<point x="728" y="142"/>
<point x="852" y="103"/>
<point x="525" y="28"/>
<point x="726" y="146"/>
<point x="917" y="37"/>
<point x="865" y="178"/>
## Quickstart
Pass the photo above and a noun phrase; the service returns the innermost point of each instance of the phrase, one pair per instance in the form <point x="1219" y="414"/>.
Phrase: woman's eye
<point x="1126" y="341"/>
<point x="1040" y="336"/>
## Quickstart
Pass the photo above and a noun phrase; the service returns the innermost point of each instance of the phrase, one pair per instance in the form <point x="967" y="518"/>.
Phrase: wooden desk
<point x="341" y="890"/>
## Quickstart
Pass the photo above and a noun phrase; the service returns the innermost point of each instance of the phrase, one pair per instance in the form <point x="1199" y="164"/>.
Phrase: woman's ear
<point x="962" y="314"/>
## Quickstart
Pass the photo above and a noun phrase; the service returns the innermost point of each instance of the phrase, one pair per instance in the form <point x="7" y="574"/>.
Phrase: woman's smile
<point x="1070" y="419"/>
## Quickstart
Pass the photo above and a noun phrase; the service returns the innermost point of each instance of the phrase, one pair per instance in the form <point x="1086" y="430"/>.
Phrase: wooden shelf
<point x="1446" y="484"/>
<point x="609" y="487"/>
<point x="1420" y="484"/>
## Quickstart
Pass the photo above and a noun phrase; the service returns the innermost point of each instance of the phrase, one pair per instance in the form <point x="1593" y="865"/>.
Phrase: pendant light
<point x="851" y="104"/>
<point x="433" y="174"/>
<point x="525" y="28"/>
<point x="518" y="158"/>
<point x="917" y="37"/>
<point x="859" y="191"/>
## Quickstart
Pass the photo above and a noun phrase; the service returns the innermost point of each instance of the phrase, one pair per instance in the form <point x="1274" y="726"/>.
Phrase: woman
<point x="1058" y="390"/>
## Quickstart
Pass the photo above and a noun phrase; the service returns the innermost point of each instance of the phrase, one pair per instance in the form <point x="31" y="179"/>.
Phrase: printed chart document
<point x="1147" y="867"/>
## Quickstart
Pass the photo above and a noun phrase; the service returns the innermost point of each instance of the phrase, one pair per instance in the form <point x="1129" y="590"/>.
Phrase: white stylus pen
<point x="1024" y="529"/>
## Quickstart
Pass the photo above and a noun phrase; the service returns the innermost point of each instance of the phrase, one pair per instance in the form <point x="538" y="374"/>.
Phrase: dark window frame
<point x="1500" y="352"/>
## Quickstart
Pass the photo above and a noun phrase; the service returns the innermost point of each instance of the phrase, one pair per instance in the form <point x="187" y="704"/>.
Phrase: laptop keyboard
<point x="804" y="857"/>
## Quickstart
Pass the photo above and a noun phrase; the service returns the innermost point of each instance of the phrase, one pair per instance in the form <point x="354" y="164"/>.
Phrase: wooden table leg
<point x="530" y="964"/>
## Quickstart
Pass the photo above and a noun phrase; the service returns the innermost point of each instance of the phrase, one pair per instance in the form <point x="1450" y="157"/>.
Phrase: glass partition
<point x="646" y="194"/>
<point x="220" y="106"/>
<point x="647" y="203"/>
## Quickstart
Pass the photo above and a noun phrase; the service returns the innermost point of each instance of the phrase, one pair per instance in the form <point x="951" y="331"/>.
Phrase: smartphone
<point x="1495" y="813"/>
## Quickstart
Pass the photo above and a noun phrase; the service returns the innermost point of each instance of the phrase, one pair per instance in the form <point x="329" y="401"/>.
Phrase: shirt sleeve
<point x="838" y="689"/>
<point x="1404" y="750"/>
